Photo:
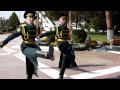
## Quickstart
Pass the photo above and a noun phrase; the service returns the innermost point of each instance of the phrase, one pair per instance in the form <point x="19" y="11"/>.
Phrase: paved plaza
<point x="94" y="64"/>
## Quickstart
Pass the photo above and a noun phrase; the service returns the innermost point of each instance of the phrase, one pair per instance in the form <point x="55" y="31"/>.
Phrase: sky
<point x="7" y="14"/>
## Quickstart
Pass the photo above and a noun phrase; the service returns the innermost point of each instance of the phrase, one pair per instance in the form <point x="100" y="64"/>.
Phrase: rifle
<point x="70" y="24"/>
<point x="39" y="25"/>
<point x="70" y="21"/>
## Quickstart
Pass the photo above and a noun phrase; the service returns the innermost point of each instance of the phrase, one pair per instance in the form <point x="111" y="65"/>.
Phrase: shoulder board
<point x="20" y="27"/>
<point x="23" y="24"/>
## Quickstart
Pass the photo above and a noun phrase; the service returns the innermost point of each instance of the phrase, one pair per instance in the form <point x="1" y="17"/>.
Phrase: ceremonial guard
<point x="29" y="48"/>
<point x="62" y="34"/>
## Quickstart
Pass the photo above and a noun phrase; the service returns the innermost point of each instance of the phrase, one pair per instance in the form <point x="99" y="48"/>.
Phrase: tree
<point x="54" y="15"/>
<point x="98" y="21"/>
<point x="109" y="20"/>
<point x="92" y="19"/>
<point x="116" y="22"/>
<point x="3" y="24"/>
<point x="109" y="23"/>
<point x="13" y="22"/>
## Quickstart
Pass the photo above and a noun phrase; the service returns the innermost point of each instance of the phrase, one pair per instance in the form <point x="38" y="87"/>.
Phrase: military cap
<point x="30" y="13"/>
<point x="63" y="15"/>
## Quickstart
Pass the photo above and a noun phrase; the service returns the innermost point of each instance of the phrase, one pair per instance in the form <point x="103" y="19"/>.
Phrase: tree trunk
<point x="109" y="20"/>
<point x="110" y="32"/>
<point x="109" y="24"/>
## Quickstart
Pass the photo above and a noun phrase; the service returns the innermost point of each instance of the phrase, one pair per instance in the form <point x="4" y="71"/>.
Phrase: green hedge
<point x="79" y="36"/>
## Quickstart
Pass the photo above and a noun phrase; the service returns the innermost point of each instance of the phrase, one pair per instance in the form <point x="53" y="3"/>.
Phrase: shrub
<point x="79" y="36"/>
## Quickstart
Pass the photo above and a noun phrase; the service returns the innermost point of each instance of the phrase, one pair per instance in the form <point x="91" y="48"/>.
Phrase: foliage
<point x="79" y="36"/>
<point x="92" y="19"/>
<point x="3" y="25"/>
<point x="54" y="15"/>
<point x="13" y="21"/>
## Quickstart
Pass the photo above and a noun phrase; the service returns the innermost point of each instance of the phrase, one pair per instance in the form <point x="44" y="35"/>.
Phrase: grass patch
<point x="98" y="36"/>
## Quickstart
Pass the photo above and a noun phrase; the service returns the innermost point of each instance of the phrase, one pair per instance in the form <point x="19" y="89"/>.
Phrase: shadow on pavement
<point x="87" y="65"/>
<point x="115" y="48"/>
<point x="118" y="77"/>
<point x="77" y="68"/>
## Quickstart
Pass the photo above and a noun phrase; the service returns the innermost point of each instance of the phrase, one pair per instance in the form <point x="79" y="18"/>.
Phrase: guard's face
<point x="62" y="20"/>
<point x="30" y="19"/>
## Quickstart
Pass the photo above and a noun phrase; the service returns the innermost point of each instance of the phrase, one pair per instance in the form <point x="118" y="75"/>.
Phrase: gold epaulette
<point x="19" y="29"/>
<point x="23" y="24"/>
<point x="60" y="40"/>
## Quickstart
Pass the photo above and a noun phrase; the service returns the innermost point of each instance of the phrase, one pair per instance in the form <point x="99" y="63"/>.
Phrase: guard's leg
<point x="60" y="61"/>
<point x="42" y="54"/>
<point x="29" y="68"/>
<point x="31" y="61"/>
<point x="71" y="56"/>
<point x="60" y="46"/>
<point x="72" y="61"/>
<point x="63" y="67"/>
<point x="29" y="77"/>
<point x="51" y="52"/>
<point x="47" y="55"/>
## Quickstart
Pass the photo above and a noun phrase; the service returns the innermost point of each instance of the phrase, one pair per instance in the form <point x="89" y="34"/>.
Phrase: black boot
<point x="29" y="77"/>
<point x="50" y="57"/>
<point x="35" y="72"/>
<point x="60" y="76"/>
<point x="42" y="54"/>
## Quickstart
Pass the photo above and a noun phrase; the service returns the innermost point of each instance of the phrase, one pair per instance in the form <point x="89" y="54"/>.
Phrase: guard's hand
<point x="38" y="37"/>
<point x="1" y="44"/>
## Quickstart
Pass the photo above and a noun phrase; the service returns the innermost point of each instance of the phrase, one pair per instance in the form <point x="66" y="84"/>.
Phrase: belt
<point x="27" y="42"/>
<point x="59" y="39"/>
